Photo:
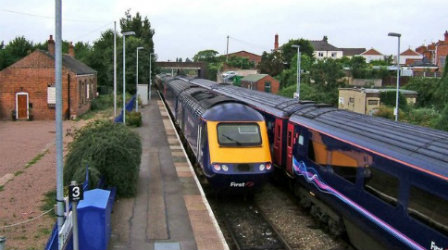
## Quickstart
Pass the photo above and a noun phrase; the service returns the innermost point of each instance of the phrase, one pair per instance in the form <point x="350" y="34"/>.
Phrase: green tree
<point x="289" y="52"/>
<point x="442" y="122"/>
<point x="14" y="51"/>
<point x="271" y="63"/>
<point x="208" y="56"/>
<point x="141" y="27"/>
<point x="358" y="67"/>
<point x="82" y="51"/>
<point x="240" y="62"/>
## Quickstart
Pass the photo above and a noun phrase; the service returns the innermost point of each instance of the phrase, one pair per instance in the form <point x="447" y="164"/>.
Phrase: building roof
<point x="409" y="52"/>
<point x="377" y="91"/>
<point x="353" y="51"/>
<point x="74" y="65"/>
<point x="424" y="62"/>
<point x="242" y="51"/>
<point x="323" y="45"/>
<point x="371" y="52"/>
<point x="253" y="77"/>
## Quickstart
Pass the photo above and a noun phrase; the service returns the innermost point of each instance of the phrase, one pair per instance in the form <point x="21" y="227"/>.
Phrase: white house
<point x="372" y="55"/>
<point x="322" y="49"/>
<point x="409" y="56"/>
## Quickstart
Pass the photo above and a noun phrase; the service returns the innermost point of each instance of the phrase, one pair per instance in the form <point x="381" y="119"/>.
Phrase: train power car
<point x="384" y="183"/>
<point x="228" y="138"/>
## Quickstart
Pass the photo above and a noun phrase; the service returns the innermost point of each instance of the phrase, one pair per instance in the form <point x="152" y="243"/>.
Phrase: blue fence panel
<point x="129" y="107"/>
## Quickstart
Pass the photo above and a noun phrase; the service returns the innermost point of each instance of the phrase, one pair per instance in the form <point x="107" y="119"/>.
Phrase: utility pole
<point x="227" y="57"/>
<point x="59" y="146"/>
<point x="150" y="75"/>
<point x="115" y="68"/>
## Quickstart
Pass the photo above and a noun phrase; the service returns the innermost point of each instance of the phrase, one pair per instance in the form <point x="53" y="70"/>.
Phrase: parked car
<point x="228" y="74"/>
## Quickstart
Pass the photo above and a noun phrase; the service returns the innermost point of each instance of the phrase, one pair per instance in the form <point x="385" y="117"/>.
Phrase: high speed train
<point x="227" y="137"/>
<point x="382" y="182"/>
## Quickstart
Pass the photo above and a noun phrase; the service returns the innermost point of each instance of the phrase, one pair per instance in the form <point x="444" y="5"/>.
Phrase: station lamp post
<point x="398" y="35"/>
<point x="127" y="33"/>
<point x="150" y="74"/>
<point x="297" y="94"/>
<point x="136" y="82"/>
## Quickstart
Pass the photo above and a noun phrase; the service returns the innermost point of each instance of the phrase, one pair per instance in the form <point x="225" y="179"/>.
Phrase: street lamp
<point x="297" y="94"/>
<point x="127" y="33"/>
<point x="398" y="73"/>
<point x="150" y="74"/>
<point x="136" y="82"/>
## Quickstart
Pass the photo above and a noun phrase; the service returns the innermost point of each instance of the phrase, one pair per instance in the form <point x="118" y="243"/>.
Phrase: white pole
<point x="150" y="75"/>
<point x="398" y="80"/>
<point x="59" y="145"/>
<point x="124" y="81"/>
<point x="115" y="68"/>
<point x="136" y="86"/>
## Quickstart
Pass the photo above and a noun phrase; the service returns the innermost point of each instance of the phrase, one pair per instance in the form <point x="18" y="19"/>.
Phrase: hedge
<point x="110" y="150"/>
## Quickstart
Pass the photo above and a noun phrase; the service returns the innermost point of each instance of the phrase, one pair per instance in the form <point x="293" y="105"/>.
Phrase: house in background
<point x="322" y="49"/>
<point x="27" y="87"/>
<point x="351" y="52"/>
<point x="261" y="82"/>
<point x="256" y="59"/>
<point x="409" y="56"/>
<point x="436" y="53"/>
<point x="372" y="55"/>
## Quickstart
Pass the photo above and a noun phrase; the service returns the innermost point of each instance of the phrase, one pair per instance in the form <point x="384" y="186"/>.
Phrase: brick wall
<point x="250" y="56"/>
<point x="260" y="85"/>
<point x="33" y="74"/>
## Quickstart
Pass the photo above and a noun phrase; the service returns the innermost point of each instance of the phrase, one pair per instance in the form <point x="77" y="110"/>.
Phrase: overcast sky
<point x="183" y="28"/>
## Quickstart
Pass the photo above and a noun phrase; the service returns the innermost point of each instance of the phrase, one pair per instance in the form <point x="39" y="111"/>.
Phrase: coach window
<point x="429" y="209"/>
<point x="382" y="185"/>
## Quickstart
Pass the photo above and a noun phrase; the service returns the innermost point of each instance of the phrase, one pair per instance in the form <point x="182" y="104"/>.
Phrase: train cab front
<point x="239" y="153"/>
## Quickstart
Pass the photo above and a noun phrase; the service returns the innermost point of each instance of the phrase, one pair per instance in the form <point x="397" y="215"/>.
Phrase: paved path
<point x="168" y="212"/>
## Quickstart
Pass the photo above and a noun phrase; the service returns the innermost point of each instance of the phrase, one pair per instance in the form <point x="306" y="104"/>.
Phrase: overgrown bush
<point x="389" y="98"/>
<point x="134" y="119"/>
<point x="109" y="150"/>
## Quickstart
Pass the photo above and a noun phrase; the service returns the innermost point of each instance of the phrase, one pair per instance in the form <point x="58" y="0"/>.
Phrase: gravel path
<point x="21" y="197"/>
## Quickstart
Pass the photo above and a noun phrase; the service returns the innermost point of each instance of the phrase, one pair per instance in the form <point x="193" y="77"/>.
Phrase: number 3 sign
<point x="75" y="193"/>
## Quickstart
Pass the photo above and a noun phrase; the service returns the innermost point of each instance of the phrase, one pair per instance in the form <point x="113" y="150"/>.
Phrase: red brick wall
<point x="251" y="57"/>
<point x="275" y="85"/>
<point x="442" y="52"/>
<point x="33" y="74"/>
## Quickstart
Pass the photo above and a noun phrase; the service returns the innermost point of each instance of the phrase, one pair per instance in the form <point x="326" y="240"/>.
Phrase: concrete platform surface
<point x="170" y="211"/>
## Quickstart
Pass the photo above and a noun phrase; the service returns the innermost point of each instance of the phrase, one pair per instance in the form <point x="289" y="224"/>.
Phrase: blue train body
<point x="388" y="179"/>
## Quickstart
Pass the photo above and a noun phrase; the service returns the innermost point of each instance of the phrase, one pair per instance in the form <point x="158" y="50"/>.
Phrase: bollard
<point x="2" y="242"/>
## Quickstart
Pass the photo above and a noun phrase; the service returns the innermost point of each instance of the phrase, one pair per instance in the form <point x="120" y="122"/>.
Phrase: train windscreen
<point x="239" y="134"/>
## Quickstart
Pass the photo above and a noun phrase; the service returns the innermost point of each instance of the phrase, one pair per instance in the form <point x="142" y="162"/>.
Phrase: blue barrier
<point x="129" y="107"/>
<point x="52" y="243"/>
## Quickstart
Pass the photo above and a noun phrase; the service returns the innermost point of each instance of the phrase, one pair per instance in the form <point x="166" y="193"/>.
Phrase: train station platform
<point x="170" y="211"/>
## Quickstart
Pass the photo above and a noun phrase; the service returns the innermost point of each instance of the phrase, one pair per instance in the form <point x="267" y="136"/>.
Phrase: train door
<point x="289" y="147"/>
<point x="278" y="128"/>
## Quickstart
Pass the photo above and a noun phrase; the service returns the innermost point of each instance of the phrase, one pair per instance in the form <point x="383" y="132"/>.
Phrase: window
<point x="428" y="209"/>
<point x="242" y="134"/>
<point x="372" y="102"/>
<point x="333" y="54"/>
<point x="321" y="54"/>
<point x="51" y="95"/>
<point x="351" y="100"/>
<point x="88" y="91"/>
<point x="267" y="86"/>
<point x="381" y="185"/>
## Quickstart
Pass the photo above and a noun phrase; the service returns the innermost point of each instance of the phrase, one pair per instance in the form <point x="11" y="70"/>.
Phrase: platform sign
<point x="75" y="193"/>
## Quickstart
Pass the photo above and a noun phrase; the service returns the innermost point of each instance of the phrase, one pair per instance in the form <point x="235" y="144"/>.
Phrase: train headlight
<point x="268" y="166"/>
<point x="217" y="167"/>
<point x="261" y="167"/>
<point x="225" y="168"/>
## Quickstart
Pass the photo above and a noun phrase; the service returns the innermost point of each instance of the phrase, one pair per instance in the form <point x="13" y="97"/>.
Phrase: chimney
<point x="276" y="42"/>
<point x="71" y="50"/>
<point x="446" y="36"/>
<point x="51" y="45"/>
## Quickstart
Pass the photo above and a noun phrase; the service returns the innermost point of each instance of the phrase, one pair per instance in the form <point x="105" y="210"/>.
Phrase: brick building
<point x="261" y="82"/>
<point x="251" y="56"/>
<point x="27" y="87"/>
<point x="437" y="52"/>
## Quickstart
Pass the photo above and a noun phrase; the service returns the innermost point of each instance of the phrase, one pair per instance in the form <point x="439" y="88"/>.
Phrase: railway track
<point x="247" y="226"/>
